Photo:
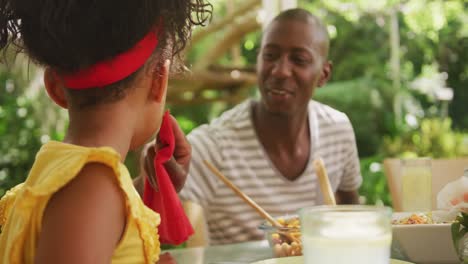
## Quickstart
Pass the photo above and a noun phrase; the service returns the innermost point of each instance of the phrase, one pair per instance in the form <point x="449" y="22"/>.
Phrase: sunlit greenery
<point x="27" y="120"/>
<point x="390" y="119"/>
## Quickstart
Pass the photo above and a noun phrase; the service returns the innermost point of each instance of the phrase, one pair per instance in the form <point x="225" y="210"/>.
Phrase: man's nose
<point x="282" y="68"/>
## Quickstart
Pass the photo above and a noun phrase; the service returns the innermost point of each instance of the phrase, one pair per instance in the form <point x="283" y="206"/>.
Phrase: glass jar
<point x="416" y="180"/>
<point x="346" y="234"/>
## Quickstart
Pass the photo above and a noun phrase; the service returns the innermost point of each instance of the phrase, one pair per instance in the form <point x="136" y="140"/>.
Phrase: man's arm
<point x="347" y="197"/>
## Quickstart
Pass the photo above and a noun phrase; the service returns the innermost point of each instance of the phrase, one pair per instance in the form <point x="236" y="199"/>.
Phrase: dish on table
<point x="423" y="240"/>
<point x="300" y="260"/>
<point x="416" y="237"/>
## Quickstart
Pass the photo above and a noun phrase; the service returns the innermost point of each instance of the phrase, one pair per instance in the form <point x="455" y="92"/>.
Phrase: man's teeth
<point x="279" y="92"/>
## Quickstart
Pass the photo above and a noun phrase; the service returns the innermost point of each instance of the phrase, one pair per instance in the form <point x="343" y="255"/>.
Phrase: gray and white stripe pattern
<point x="230" y="143"/>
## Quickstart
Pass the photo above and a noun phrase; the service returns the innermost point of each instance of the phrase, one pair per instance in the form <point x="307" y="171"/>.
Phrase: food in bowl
<point x="413" y="219"/>
<point x="435" y="217"/>
<point x="285" y="241"/>
<point x="422" y="240"/>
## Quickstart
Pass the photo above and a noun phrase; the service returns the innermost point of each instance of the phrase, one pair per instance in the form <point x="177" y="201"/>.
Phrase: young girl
<point x="107" y="62"/>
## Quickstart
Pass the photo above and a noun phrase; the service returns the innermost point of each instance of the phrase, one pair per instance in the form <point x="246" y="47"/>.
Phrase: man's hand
<point x="177" y="167"/>
<point x="166" y="258"/>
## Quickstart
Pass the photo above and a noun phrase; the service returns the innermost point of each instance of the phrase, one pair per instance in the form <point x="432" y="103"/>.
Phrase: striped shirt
<point x="230" y="143"/>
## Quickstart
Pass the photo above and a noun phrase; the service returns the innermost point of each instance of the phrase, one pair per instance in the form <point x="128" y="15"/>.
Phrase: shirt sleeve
<point x="351" y="179"/>
<point x="200" y="185"/>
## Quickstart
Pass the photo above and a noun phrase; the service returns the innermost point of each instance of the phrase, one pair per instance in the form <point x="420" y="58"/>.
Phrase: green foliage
<point x="442" y="38"/>
<point x="433" y="137"/>
<point x="27" y="120"/>
<point x="190" y="117"/>
<point x="366" y="107"/>
<point x="374" y="186"/>
<point x="352" y="59"/>
<point x="21" y="133"/>
<point x="432" y="32"/>
<point x="459" y="230"/>
<point x="167" y="247"/>
<point x="452" y="57"/>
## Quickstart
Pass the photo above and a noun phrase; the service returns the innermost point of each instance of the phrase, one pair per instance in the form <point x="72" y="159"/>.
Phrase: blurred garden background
<point x="400" y="73"/>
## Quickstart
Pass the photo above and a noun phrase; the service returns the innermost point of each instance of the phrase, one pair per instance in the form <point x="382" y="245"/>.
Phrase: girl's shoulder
<point x="56" y="166"/>
<point x="58" y="163"/>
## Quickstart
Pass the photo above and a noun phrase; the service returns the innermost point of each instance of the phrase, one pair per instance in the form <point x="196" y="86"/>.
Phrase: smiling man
<point x="266" y="147"/>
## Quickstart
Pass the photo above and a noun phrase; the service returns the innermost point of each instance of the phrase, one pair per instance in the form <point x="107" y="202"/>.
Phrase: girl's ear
<point x="159" y="83"/>
<point x="55" y="88"/>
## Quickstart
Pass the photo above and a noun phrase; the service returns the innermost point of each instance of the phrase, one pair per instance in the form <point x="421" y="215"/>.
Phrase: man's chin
<point x="273" y="109"/>
<point x="278" y="111"/>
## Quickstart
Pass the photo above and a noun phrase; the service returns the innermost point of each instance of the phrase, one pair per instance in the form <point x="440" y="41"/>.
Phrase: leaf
<point x="459" y="229"/>
<point x="456" y="236"/>
<point x="460" y="250"/>
<point x="464" y="220"/>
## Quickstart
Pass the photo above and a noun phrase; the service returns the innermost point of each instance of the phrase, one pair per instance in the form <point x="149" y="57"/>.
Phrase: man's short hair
<point x="305" y="16"/>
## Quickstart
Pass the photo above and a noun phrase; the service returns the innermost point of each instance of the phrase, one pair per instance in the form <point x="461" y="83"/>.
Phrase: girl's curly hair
<point x="69" y="35"/>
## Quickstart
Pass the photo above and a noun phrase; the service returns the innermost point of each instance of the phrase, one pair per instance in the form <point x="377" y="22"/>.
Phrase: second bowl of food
<point x="422" y="239"/>
<point x="285" y="241"/>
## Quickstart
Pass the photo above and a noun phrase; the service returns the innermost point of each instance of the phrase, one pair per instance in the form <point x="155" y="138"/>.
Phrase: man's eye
<point x="300" y="61"/>
<point x="268" y="56"/>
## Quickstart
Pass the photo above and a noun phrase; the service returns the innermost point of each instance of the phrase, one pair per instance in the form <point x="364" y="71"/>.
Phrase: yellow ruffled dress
<point x="22" y="208"/>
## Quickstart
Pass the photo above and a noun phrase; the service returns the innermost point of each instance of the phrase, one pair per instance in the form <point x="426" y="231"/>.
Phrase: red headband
<point x="116" y="69"/>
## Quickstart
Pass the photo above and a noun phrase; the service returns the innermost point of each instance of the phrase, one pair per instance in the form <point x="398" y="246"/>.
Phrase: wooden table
<point x="225" y="254"/>
<point x="242" y="253"/>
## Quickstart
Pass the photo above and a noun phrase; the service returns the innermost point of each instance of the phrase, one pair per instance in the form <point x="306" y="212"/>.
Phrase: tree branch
<point x="232" y="36"/>
<point x="246" y="7"/>
<point x="219" y="80"/>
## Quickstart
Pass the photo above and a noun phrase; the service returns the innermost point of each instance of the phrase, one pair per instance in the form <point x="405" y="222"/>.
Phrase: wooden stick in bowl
<point x="242" y="195"/>
<point x="328" y="195"/>
<point x="251" y="202"/>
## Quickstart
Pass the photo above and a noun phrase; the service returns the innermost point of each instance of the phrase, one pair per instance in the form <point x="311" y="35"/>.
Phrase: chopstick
<point x="242" y="195"/>
<point x="250" y="202"/>
<point x="328" y="195"/>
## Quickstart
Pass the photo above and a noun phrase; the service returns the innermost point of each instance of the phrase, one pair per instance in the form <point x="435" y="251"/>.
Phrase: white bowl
<point x="424" y="243"/>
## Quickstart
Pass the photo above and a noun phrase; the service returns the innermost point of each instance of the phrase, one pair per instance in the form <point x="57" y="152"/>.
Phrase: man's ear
<point x="55" y="87"/>
<point x="326" y="73"/>
<point x="159" y="83"/>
